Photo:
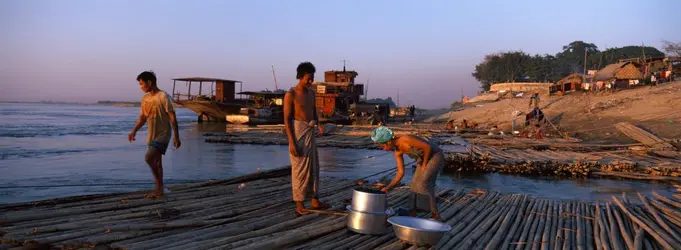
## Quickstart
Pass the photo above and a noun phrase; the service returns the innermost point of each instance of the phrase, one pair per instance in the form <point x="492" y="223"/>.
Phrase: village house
<point x="623" y="74"/>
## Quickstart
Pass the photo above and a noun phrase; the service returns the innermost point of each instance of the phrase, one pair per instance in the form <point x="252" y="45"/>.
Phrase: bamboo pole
<point x="604" y="234"/>
<point x="519" y="220"/>
<point x="614" y="229"/>
<point x="675" y="238"/>
<point x="625" y="231"/>
<point x="473" y="220"/>
<point x="298" y="235"/>
<point x="652" y="229"/>
<point x="567" y="235"/>
<point x="534" y="235"/>
<point x="546" y="232"/>
<point x="528" y="224"/>
<point x="480" y="229"/>
<point x="506" y="223"/>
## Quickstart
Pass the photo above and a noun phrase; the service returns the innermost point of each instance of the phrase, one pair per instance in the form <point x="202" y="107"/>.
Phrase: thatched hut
<point x="621" y="73"/>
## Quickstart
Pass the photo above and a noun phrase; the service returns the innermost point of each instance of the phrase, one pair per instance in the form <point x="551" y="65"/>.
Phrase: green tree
<point x="514" y="66"/>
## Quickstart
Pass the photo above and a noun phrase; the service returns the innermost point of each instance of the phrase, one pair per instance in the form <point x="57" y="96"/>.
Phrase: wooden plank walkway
<point x="220" y="215"/>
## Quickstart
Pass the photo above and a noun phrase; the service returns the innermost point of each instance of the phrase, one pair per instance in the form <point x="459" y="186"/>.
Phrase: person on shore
<point x="300" y="119"/>
<point x="534" y="99"/>
<point x="156" y="110"/>
<point x="430" y="160"/>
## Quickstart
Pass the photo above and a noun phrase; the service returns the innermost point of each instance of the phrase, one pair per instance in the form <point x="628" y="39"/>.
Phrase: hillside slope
<point x="590" y="117"/>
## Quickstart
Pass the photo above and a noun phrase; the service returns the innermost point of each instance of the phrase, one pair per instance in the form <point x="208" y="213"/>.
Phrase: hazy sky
<point x="86" y="51"/>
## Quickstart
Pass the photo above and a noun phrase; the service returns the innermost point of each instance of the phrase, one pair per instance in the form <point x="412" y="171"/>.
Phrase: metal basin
<point x="369" y="200"/>
<point x="368" y="223"/>
<point x="418" y="231"/>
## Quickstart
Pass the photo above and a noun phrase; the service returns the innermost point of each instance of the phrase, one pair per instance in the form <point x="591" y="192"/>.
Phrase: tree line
<point x="518" y="66"/>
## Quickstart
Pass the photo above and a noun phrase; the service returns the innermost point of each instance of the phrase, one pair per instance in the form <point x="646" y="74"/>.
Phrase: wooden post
<point x="173" y="89"/>
<point x="189" y="91"/>
<point x="200" y="85"/>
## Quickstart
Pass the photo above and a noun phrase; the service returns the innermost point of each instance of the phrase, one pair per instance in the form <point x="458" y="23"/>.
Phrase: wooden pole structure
<point x="275" y="79"/>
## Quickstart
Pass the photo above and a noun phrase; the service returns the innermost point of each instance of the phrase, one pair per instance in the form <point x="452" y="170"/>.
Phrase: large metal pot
<point x="418" y="231"/>
<point x="368" y="223"/>
<point x="369" y="200"/>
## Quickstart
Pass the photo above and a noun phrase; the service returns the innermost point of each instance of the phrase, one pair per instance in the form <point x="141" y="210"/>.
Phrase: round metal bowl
<point x="369" y="200"/>
<point x="368" y="223"/>
<point x="418" y="231"/>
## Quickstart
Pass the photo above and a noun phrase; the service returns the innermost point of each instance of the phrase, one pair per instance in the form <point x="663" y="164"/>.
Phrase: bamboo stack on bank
<point x="227" y="215"/>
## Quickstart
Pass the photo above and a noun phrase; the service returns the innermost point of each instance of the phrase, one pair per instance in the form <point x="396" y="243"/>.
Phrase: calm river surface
<point x="56" y="150"/>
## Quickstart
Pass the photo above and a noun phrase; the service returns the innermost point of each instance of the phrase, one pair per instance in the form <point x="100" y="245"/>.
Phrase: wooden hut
<point x="571" y="82"/>
<point x="621" y="73"/>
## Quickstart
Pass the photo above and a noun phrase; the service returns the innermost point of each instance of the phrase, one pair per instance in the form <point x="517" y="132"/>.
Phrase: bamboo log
<point x="466" y="213"/>
<point x="519" y="220"/>
<point x="528" y="224"/>
<point x="486" y="209"/>
<point x="546" y="231"/>
<point x="668" y="213"/>
<point x="625" y="232"/>
<point x="638" y="240"/>
<point x="567" y="235"/>
<point x="534" y="236"/>
<point x="506" y="223"/>
<point x="614" y="229"/>
<point x="603" y="230"/>
<point x="597" y="230"/>
<point x="589" y="230"/>
<point x="652" y="229"/>
<point x="298" y="235"/>
<point x="159" y="235"/>
<point x="580" y="235"/>
<point x="323" y="240"/>
<point x="377" y="242"/>
<point x="480" y="229"/>
<point x="556" y="224"/>
<point x="675" y="204"/>
<point x="675" y="238"/>
<point x="340" y="243"/>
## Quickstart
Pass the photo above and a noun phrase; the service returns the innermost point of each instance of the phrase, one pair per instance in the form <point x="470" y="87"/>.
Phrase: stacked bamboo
<point x="219" y="215"/>
<point x="643" y="136"/>
<point x="566" y="164"/>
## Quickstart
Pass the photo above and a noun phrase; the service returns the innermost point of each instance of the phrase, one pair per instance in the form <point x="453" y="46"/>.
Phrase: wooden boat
<point x="263" y="107"/>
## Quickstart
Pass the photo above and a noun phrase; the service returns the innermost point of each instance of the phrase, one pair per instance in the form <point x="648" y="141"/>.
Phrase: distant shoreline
<point x="99" y="103"/>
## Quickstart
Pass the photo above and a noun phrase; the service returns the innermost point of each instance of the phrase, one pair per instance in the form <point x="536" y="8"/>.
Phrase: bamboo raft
<point x="220" y="215"/>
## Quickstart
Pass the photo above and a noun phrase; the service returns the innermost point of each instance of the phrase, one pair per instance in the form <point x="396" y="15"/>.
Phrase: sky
<point x="85" y="51"/>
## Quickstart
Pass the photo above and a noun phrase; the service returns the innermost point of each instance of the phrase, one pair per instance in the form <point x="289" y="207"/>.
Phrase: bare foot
<point x="316" y="204"/>
<point x="436" y="216"/>
<point x="300" y="208"/>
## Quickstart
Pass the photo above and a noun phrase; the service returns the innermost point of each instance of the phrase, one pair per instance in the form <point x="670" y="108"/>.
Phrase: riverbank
<point x="478" y="152"/>
<point x="254" y="212"/>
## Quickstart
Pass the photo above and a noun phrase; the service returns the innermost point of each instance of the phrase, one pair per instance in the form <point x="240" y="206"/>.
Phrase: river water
<point x="56" y="150"/>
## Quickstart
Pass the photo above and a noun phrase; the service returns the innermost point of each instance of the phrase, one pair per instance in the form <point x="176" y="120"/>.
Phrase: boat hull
<point x="209" y="110"/>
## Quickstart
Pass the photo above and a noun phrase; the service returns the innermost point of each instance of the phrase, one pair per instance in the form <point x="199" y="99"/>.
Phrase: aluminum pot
<point x="418" y="231"/>
<point x="369" y="200"/>
<point x="368" y="223"/>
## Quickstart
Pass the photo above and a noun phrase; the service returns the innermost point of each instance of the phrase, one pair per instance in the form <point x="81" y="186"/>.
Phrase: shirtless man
<point x="300" y="119"/>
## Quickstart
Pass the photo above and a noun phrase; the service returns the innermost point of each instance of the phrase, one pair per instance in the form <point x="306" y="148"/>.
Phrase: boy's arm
<point x="288" y="116"/>
<point x="168" y="106"/>
<point x="141" y="120"/>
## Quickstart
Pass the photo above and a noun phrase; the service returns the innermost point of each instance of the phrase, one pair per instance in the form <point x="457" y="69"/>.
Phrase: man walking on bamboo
<point x="300" y="120"/>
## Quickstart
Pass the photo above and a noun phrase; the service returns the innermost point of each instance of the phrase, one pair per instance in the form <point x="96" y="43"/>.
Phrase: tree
<point x="672" y="48"/>
<point x="514" y="66"/>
